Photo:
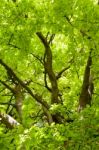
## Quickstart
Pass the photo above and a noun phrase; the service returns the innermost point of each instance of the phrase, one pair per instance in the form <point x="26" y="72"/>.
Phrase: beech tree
<point x="49" y="57"/>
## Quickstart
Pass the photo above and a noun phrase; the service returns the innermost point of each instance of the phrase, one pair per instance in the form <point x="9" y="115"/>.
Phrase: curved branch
<point x="48" y="68"/>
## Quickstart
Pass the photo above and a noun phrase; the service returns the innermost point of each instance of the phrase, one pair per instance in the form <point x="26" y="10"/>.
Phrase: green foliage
<point x="75" y="25"/>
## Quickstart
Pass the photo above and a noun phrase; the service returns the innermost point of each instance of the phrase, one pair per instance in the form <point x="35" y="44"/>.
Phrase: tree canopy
<point x="49" y="73"/>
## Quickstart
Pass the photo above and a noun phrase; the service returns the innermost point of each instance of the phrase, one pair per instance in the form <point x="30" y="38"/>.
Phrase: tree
<point x="49" y="74"/>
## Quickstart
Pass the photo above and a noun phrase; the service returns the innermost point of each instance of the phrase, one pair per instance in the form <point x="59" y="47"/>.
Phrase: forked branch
<point x="48" y="68"/>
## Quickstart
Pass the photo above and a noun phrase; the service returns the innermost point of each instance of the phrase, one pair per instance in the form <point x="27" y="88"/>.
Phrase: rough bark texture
<point x="87" y="86"/>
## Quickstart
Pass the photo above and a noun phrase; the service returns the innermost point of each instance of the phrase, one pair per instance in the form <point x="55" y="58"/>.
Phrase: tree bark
<point x="8" y="121"/>
<point x="87" y="86"/>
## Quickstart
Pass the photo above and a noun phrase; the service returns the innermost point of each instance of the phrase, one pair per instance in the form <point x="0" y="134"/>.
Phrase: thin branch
<point x="10" y="38"/>
<point x="63" y="70"/>
<point x="45" y="74"/>
<point x="68" y="20"/>
<point x="6" y="94"/>
<point x="47" y="35"/>
<point x="14" y="46"/>
<point x="51" y="39"/>
<point x="2" y="90"/>
<point x="37" y="115"/>
<point x="7" y="86"/>
<point x="7" y="103"/>
<point x="95" y="22"/>
<point x="38" y="58"/>
<point x="45" y="81"/>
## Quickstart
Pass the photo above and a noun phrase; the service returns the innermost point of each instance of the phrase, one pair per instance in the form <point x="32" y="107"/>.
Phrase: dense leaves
<point x="49" y="66"/>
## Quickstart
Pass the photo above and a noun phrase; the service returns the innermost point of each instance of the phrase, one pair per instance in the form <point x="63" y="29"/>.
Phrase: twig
<point x="7" y="103"/>
<point x="38" y="58"/>
<point x="63" y="70"/>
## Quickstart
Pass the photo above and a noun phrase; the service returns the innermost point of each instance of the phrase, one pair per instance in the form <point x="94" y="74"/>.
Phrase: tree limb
<point x="87" y="86"/>
<point x="37" y="97"/>
<point x="63" y="70"/>
<point x="48" y="68"/>
<point x="8" y="121"/>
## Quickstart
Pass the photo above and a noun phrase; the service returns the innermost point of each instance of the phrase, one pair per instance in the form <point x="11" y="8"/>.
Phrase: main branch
<point x="48" y="68"/>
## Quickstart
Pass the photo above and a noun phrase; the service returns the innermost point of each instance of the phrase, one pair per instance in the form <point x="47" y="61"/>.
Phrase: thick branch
<point x="48" y="68"/>
<point x="8" y="121"/>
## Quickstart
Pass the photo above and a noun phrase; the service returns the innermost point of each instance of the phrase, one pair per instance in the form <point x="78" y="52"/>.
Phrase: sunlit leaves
<point x="75" y="25"/>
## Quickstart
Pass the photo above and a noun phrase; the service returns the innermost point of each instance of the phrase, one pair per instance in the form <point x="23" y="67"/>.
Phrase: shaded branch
<point x="87" y="86"/>
<point x="45" y="81"/>
<point x="49" y="116"/>
<point x="7" y="103"/>
<point x="51" y="39"/>
<point x="43" y="39"/>
<point x="63" y="70"/>
<point x="38" y="58"/>
<point x="68" y="20"/>
<point x="7" y="86"/>
<point x="14" y="46"/>
<point x="12" y="35"/>
<point x="2" y="90"/>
